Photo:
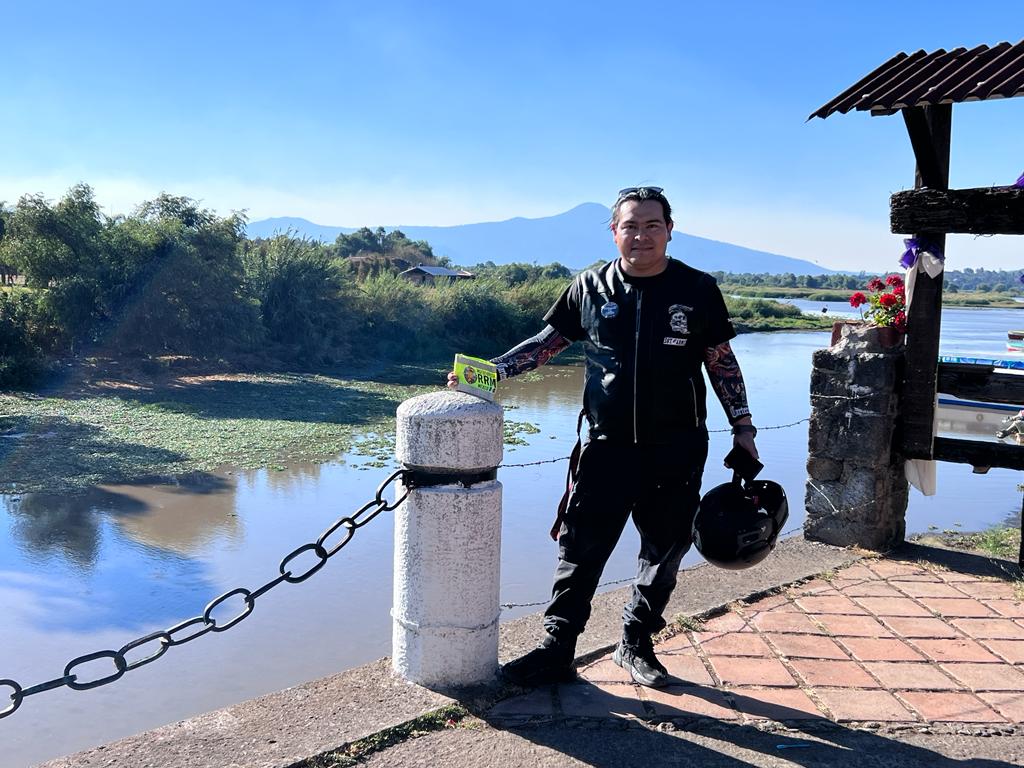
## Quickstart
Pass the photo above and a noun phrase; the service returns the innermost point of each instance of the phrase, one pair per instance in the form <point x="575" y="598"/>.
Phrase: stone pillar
<point x="856" y="489"/>
<point x="448" y="541"/>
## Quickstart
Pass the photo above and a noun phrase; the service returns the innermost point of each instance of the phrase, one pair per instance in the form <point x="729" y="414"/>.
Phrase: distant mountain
<point x="576" y="238"/>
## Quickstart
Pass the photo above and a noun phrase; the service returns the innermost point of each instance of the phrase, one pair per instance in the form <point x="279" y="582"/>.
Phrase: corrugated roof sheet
<point x="940" y="77"/>
<point x="438" y="271"/>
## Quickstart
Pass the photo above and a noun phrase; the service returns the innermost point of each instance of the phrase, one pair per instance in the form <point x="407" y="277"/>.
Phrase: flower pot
<point x="849" y="325"/>
<point x="879" y="336"/>
<point x="889" y="336"/>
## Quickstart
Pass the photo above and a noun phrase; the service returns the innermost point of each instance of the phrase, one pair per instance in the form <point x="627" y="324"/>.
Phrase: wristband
<point x="739" y="429"/>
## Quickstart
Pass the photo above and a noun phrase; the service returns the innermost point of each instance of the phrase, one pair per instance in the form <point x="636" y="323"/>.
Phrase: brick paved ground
<point x="880" y="641"/>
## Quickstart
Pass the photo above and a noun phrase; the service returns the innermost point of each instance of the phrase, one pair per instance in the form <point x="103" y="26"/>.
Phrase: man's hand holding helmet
<point x="743" y="434"/>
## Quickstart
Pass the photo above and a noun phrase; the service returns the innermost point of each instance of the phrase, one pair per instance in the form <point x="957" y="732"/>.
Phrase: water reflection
<point x="178" y="520"/>
<point x="47" y="524"/>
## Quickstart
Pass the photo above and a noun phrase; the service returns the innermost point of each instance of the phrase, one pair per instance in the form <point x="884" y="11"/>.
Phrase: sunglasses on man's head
<point x="640" y="191"/>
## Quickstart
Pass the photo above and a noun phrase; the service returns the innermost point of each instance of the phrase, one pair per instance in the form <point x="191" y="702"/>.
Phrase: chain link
<point x="627" y="579"/>
<point x="191" y="629"/>
<point x="842" y="402"/>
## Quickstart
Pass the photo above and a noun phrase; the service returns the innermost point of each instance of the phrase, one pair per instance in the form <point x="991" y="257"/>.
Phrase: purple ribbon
<point x="1020" y="181"/>
<point x="916" y="248"/>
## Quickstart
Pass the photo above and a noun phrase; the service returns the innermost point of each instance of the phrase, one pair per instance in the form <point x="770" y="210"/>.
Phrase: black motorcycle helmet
<point x="737" y="524"/>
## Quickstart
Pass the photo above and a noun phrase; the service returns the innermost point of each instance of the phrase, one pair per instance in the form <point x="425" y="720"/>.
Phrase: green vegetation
<point x="966" y="288"/>
<point x="196" y="424"/>
<point x="1002" y="541"/>
<point x="763" y="315"/>
<point x="126" y="431"/>
<point x="999" y="541"/>
<point x="173" y="279"/>
<point x="690" y="623"/>
<point x="356" y="752"/>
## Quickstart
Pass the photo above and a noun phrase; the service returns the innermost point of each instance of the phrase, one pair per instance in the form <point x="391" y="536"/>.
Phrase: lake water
<point x="84" y="574"/>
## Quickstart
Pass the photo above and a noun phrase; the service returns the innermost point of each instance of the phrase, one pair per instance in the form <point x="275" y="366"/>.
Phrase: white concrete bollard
<point x="448" y="541"/>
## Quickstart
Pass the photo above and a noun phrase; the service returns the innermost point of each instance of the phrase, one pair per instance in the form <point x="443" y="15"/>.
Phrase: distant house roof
<point x="426" y="269"/>
<point x="923" y="79"/>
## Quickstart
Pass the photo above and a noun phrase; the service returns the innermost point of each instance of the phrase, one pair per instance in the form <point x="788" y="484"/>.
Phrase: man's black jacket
<point x="645" y="342"/>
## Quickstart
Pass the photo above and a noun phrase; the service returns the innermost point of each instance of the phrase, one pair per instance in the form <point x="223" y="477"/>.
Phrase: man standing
<point x="648" y="323"/>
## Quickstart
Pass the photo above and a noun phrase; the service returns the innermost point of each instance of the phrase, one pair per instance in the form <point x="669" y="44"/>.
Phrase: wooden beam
<point x="983" y="211"/>
<point x="917" y="403"/>
<point x="980" y="382"/>
<point x="979" y="453"/>
<point x="932" y="168"/>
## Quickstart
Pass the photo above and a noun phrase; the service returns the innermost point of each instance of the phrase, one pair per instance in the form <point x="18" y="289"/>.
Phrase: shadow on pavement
<point x="608" y="740"/>
<point x="968" y="563"/>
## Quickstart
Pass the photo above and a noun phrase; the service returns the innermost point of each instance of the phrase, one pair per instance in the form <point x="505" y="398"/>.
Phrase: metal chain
<point x="535" y="463"/>
<point x="842" y="402"/>
<point x="186" y="631"/>
<point x="506" y="606"/>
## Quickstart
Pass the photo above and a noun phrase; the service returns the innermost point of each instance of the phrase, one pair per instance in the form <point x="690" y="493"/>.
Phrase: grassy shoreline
<point x="1002" y="541"/>
<point x="127" y="431"/>
<point x="967" y="299"/>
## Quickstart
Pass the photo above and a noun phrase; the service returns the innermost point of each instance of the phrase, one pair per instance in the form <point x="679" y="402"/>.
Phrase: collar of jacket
<point x="612" y="280"/>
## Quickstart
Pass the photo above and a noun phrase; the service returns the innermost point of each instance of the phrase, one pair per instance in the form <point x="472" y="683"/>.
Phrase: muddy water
<point x="93" y="572"/>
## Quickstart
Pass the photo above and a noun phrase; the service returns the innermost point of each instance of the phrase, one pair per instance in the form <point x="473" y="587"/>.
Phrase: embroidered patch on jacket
<point x="611" y="309"/>
<point x="672" y="341"/>
<point x="677" y="318"/>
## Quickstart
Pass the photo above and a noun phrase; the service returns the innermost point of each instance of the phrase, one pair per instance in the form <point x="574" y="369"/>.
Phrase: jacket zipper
<point x="636" y="365"/>
<point x="696" y="418"/>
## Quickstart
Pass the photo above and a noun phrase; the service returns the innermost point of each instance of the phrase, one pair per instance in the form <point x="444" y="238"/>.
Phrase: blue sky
<point x="353" y="113"/>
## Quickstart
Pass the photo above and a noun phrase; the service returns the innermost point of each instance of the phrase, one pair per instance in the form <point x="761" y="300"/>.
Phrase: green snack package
<point x="476" y="377"/>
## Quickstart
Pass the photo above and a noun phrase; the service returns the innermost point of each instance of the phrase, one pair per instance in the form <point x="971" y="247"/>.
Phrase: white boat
<point x="970" y="417"/>
<point x="961" y="416"/>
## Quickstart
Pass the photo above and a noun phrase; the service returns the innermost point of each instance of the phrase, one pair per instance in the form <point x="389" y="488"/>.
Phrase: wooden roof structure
<point x="923" y="87"/>
<point x="923" y="79"/>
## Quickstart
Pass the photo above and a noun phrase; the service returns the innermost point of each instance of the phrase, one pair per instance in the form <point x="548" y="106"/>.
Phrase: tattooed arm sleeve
<point x="727" y="381"/>
<point x="532" y="353"/>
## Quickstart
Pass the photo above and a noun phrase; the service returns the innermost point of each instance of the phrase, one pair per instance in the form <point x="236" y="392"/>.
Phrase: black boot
<point x="551" y="662"/>
<point x="636" y="656"/>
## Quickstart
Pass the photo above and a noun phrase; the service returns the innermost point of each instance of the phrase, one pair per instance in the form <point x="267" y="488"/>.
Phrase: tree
<point x="362" y="240"/>
<point x="52" y="243"/>
<point x="556" y="271"/>
<point x="302" y="295"/>
<point x="188" y="296"/>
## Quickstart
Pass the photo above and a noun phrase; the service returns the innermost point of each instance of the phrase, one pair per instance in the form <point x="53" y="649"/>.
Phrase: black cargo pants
<point x="659" y="485"/>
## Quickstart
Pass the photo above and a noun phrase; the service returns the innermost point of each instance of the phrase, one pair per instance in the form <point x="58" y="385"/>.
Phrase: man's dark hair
<point x="641" y="194"/>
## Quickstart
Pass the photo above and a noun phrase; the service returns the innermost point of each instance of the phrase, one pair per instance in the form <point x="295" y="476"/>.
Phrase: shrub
<point x="395" y="319"/>
<point x="304" y="304"/>
<point x="473" y="316"/>
<point x="21" y="358"/>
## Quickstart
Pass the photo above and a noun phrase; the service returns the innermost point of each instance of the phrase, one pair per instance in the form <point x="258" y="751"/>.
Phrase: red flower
<point x="875" y="284"/>
<point x="894" y="280"/>
<point x="857" y="299"/>
<point x="887" y="300"/>
<point x="900" y="291"/>
<point x="900" y="321"/>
